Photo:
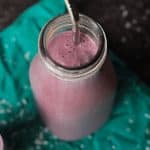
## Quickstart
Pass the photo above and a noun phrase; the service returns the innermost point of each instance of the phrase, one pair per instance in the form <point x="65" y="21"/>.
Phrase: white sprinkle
<point x="6" y="46"/>
<point x="147" y="11"/>
<point x="82" y="146"/>
<point x="2" y="101"/>
<point x="38" y="142"/>
<point x="127" y="25"/>
<point x="2" y="111"/>
<point x="147" y="148"/>
<point x="38" y="147"/>
<point x="148" y="142"/>
<point x="13" y="39"/>
<point x="147" y="115"/>
<point x="126" y="102"/>
<point x="128" y="129"/>
<point x="45" y="142"/>
<point x="3" y="122"/>
<point x="147" y="131"/>
<point x="5" y="102"/>
<point x="24" y="101"/>
<point x="26" y="87"/>
<point x="46" y="130"/>
<point x="113" y="147"/>
<point x="123" y="39"/>
<point x="138" y="29"/>
<point x="89" y="137"/>
<point x="122" y="7"/>
<point x="125" y="13"/>
<point x="27" y="56"/>
<point x="21" y="113"/>
<point x="55" y="137"/>
<point x="134" y="21"/>
<point x="131" y="121"/>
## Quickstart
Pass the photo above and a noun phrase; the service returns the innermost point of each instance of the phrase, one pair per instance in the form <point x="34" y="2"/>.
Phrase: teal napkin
<point x="20" y="124"/>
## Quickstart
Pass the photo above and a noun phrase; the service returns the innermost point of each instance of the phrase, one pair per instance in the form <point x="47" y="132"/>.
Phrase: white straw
<point x="73" y="20"/>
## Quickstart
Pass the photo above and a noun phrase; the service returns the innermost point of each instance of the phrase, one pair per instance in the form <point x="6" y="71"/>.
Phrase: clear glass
<point x="62" y="24"/>
<point x="73" y="102"/>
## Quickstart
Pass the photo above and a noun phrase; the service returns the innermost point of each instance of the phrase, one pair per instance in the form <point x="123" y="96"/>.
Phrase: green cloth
<point x="20" y="124"/>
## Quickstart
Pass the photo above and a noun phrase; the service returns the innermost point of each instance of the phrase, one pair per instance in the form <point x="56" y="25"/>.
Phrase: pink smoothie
<point x="63" y="50"/>
<point x="72" y="110"/>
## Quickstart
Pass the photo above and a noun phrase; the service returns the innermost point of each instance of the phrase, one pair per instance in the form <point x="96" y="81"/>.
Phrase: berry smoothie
<point x="74" y="108"/>
<point x="63" y="50"/>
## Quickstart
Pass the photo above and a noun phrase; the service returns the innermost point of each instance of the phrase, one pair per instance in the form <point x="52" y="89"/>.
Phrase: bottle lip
<point x="65" y="73"/>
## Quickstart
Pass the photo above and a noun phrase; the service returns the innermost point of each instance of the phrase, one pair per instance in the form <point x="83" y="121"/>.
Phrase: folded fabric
<point x="20" y="124"/>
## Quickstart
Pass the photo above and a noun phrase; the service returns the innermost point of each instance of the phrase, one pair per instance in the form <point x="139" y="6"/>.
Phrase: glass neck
<point x="62" y="24"/>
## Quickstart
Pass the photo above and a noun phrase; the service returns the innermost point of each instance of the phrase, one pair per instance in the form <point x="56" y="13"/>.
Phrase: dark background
<point x="126" y="22"/>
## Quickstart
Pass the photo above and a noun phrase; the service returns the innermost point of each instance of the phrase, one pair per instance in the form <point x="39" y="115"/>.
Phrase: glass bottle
<point x="73" y="102"/>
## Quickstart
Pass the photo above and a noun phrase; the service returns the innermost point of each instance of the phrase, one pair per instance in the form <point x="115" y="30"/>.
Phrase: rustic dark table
<point x="126" y="22"/>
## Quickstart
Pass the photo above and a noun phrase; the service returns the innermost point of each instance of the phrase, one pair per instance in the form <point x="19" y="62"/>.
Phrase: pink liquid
<point x="73" y="109"/>
<point x="1" y="143"/>
<point x="64" y="52"/>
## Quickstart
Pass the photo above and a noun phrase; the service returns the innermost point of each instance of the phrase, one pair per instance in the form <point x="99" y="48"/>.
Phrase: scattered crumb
<point x="147" y="131"/>
<point x="122" y="7"/>
<point x="127" y="25"/>
<point x="147" y="115"/>
<point x="81" y="146"/>
<point x="89" y="137"/>
<point x="123" y="39"/>
<point x="148" y="142"/>
<point x="147" y="148"/>
<point x="27" y="56"/>
<point x="113" y="147"/>
<point x="125" y="13"/>
<point x="134" y="21"/>
<point x="24" y="101"/>
<point x="131" y="121"/>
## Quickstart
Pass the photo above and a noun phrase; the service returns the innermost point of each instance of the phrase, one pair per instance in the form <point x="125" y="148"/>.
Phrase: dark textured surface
<point x="10" y="9"/>
<point x="126" y="22"/>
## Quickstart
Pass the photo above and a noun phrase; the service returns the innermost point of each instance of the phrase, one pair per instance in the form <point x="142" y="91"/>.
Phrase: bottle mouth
<point x="86" y="25"/>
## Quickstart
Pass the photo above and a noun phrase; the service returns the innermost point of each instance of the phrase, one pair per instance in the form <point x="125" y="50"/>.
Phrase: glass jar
<point x="73" y="102"/>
